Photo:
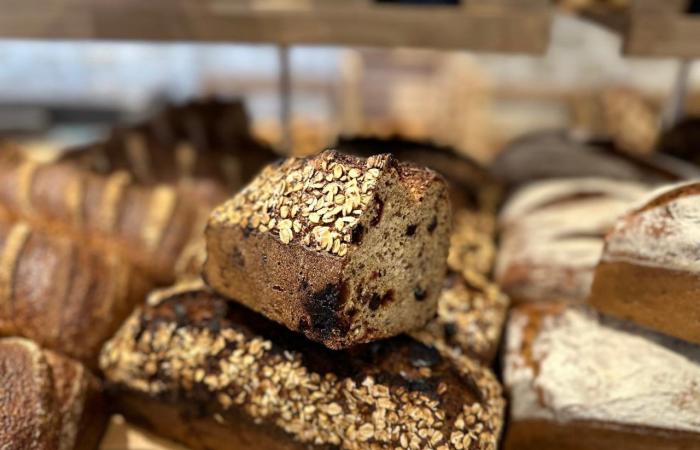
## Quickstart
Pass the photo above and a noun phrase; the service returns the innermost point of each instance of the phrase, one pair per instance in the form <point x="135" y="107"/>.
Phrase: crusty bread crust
<point x="343" y="249"/>
<point x="63" y="295"/>
<point x="194" y="351"/>
<point x="49" y="402"/>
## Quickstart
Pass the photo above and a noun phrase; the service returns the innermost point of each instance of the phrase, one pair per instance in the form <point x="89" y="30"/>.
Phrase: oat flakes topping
<point x="316" y="201"/>
<point x="275" y="386"/>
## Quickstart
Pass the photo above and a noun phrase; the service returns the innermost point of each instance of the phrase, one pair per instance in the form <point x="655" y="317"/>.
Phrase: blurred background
<point x="567" y="64"/>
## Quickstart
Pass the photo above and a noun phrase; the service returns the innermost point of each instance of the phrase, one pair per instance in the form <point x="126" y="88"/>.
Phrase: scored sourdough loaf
<point x="150" y="225"/>
<point x="581" y="382"/>
<point x="210" y="373"/>
<point x="48" y="401"/>
<point x="552" y="236"/>
<point x="649" y="269"/>
<point x="63" y="294"/>
<point x="343" y="249"/>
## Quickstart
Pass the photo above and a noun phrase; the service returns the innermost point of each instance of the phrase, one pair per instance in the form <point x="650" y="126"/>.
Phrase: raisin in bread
<point x="343" y="249"/>
<point x="210" y="373"/>
<point x="648" y="272"/>
<point x="552" y="236"/>
<point x="49" y="402"/>
<point x="63" y="294"/>
<point x="581" y="382"/>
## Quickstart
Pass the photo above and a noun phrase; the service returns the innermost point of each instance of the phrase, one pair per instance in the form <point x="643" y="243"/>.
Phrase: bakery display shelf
<point x="484" y="25"/>
<point x="669" y="28"/>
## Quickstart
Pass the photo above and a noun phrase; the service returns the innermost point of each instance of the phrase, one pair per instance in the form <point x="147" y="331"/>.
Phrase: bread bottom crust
<point x="588" y="435"/>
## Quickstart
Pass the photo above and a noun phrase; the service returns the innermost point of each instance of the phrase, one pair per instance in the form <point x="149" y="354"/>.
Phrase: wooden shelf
<point x="520" y="26"/>
<point x="662" y="28"/>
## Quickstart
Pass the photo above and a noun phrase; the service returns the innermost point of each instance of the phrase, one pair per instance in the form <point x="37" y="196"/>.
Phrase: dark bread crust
<point x="151" y="226"/>
<point x="204" y="147"/>
<point x="50" y="402"/>
<point x="341" y="277"/>
<point x="217" y="387"/>
<point x="61" y="294"/>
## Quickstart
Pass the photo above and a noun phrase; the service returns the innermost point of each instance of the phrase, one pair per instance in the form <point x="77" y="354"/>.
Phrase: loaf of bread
<point x="342" y="249"/>
<point x="580" y="382"/>
<point x="471" y="315"/>
<point x="203" y="147"/>
<point x="552" y="236"/>
<point x="151" y="226"/>
<point x="212" y="374"/>
<point x="61" y="293"/>
<point x="649" y="269"/>
<point x="558" y="154"/>
<point x="48" y="401"/>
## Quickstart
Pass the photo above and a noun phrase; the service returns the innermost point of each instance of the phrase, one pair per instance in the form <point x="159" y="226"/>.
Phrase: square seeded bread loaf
<point x="343" y="249"/>
<point x="48" y="401"/>
<point x="578" y="381"/>
<point x="212" y="374"/>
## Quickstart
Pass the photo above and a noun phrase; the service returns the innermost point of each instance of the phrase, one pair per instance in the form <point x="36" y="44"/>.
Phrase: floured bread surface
<point x="552" y="236"/>
<point x="213" y="374"/>
<point x="649" y="268"/>
<point x="568" y="365"/>
<point x="344" y="249"/>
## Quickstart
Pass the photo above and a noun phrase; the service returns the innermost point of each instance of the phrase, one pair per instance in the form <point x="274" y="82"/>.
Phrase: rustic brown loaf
<point x="212" y="374"/>
<point x="49" y="402"/>
<point x="343" y="249"/>
<point x="552" y="236"/>
<point x="203" y="147"/>
<point x="62" y="294"/>
<point x="151" y="226"/>
<point x="648" y="272"/>
<point x="578" y="381"/>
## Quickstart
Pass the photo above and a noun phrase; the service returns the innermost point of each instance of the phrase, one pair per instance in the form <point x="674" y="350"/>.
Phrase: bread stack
<point x="601" y="351"/>
<point x="313" y="271"/>
<point x="80" y="246"/>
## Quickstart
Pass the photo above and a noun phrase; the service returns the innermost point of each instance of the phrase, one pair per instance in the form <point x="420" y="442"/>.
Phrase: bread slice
<point x="581" y="382"/>
<point x="210" y="373"/>
<point x="343" y="249"/>
<point x="49" y="402"/>
<point x="649" y="269"/>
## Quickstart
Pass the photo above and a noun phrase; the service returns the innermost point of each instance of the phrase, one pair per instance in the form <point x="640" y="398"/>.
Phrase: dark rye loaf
<point x="343" y="249"/>
<point x="62" y="294"/>
<point x="48" y="401"/>
<point x="210" y="373"/>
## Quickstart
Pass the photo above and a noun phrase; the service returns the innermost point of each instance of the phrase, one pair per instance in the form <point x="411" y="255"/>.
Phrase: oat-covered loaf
<point x="61" y="293"/>
<point x="150" y="225"/>
<point x="48" y="401"/>
<point x="344" y="249"/>
<point x="577" y="381"/>
<point x="648" y="272"/>
<point x="471" y="314"/>
<point x="552" y="236"/>
<point x="212" y="374"/>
